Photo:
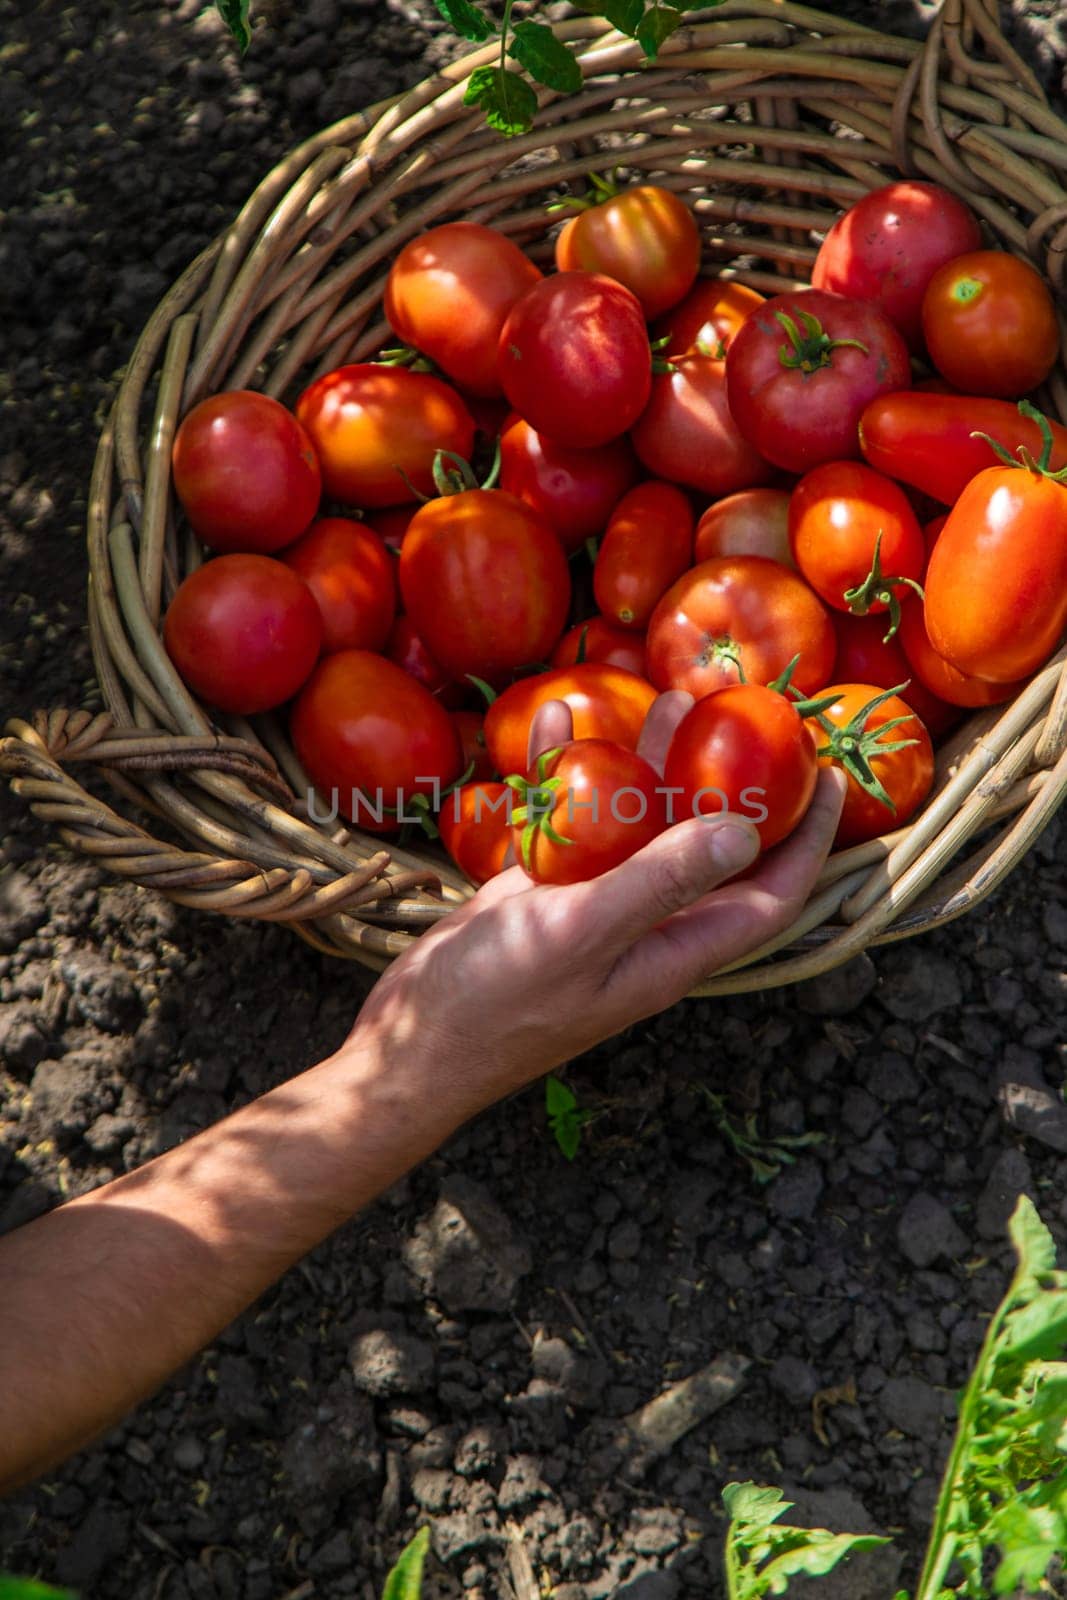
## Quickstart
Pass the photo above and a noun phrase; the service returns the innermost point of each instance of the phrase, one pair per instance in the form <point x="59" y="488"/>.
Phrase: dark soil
<point x="385" y="1382"/>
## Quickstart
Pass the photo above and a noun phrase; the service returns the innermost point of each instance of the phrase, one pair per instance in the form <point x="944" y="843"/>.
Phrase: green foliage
<point x="565" y="1118"/>
<point x="507" y="99"/>
<point x="466" y="20"/>
<point x="535" y="47"/>
<point x="234" y="14"/>
<point x="30" y="1589"/>
<point x="765" y="1157"/>
<point x="405" y="1580"/>
<point x="762" y="1554"/>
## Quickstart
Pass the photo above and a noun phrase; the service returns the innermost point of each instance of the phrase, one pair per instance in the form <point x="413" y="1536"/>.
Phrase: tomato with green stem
<point x="574" y="490"/>
<point x="475" y="827"/>
<point x="597" y="639"/>
<point x="931" y="672"/>
<point x="687" y="433"/>
<point x="647" y="544"/>
<point x="605" y="702"/>
<point x="645" y="238"/>
<point x="888" y="778"/>
<point x="352" y="575"/>
<point x="990" y="324"/>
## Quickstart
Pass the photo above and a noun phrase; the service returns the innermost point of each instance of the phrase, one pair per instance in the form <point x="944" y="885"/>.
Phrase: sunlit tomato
<point x="606" y="703"/>
<point x="391" y="523"/>
<point x="585" y="808"/>
<point x="906" y="775"/>
<point x="406" y="647"/>
<point x="645" y="238"/>
<point x="687" y="433"/>
<point x="449" y="292"/>
<point x="372" y="740"/>
<point x="470" y="725"/>
<point x="377" y="429"/>
<point x="739" y="617"/>
<point x="244" y="632"/>
<point x="574" y="359"/>
<point x="647" y="545"/>
<point x="245" y="472"/>
<point x="865" y="655"/>
<point x="837" y="513"/>
<point x="350" y="572"/>
<point x="600" y="640"/>
<point x="743" y="749"/>
<point x="475" y="827"/>
<point x="707" y="318"/>
<point x="932" y="673"/>
<point x="754" y="522"/>
<point x="888" y="246"/>
<point x="990" y="324"/>
<point x="575" y="490"/>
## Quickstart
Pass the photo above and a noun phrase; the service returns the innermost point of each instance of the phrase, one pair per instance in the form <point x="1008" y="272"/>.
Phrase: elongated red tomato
<point x="754" y="522"/>
<point x="905" y="775"/>
<point x="865" y="655"/>
<point x="583" y="809"/>
<point x="475" y="827"/>
<point x="574" y="490"/>
<point x="687" y="432"/>
<point x="932" y="673"/>
<point x="597" y="639"/>
<point x="990" y="324"/>
<point x="838" y="513"/>
<point x="350" y="572"/>
<point x="645" y="238"/>
<point x="606" y="702"/>
<point x="647" y="545"/>
<point x="707" y="319"/>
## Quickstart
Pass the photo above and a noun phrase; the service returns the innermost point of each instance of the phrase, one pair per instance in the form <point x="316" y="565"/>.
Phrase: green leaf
<point x="568" y="1132"/>
<point x="30" y="1589"/>
<point x="656" y="26"/>
<point x="558" y="1098"/>
<point x="1029" y="1535"/>
<point x="1034" y="1245"/>
<point x="545" y="57"/>
<point x="234" y="14"/>
<point x="466" y="20"/>
<point x="506" y="98"/>
<point x="820" y="1553"/>
<point x="753" y="1504"/>
<point x="624" y="14"/>
<point x="1038" y="1331"/>
<point x="405" y="1580"/>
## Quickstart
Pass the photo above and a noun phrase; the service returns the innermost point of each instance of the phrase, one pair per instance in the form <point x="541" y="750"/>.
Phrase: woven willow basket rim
<point x="770" y="117"/>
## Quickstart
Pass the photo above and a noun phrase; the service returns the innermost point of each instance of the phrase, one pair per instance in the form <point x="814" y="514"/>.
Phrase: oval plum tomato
<point x="377" y="430"/>
<point x="849" y="525"/>
<point x="575" y="360"/>
<point x="245" y="472"/>
<point x="449" y="292"/>
<point x="485" y="581"/>
<point x="601" y="640"/>
<point x="990" y="324"/>
<point x="707" y="319"/>
<point x="606" y="702"/>
<point x="905" y="775"/>
<point x="575" y="490"/>
<point x="475" y="828"/>
<point x="931" y="673"/>
<point x="372" y="740"/>
<point x="647" y="545"/>
<point x="391" y="523"/>
<point x="865" y="655"/>
<point x="687" y="432"/>
<point x="470" y="725"/>
<point x="406" y="647"/>
<point x="244" y="632"/>
<point x="888" y="246"/>
<point x="743" y="749"/>
<point x="797" y="387"/>
<point x="739" y="617"/>
<point x="584" y="808"/>
<point x="645" y="238"/>
<point x="350" y="572"/>
<point x="754" y="522"/>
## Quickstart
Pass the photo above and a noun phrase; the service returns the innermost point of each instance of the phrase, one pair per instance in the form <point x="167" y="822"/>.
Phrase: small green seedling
<point x="765" y="1157"/>
<point x="565" y="1117"/>
<point x="405" y="1580"/>
<point x="762" y="1554"/>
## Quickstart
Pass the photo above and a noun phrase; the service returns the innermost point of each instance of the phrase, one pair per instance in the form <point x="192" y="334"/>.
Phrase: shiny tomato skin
<point x="764" y="612"/>
<point x="753" y="522"/>
<point x="350" y="572"/>
<point x="366" y="729"/>
<point x="600" y="640"/>
<point x="688" y="435"/>
<point x="246" y="473"/>
<point x="575" y="360"/>
<point x="475" y="828"/>
<point x="406" y="648"/>
<point x="865" y="655"/>
<point x="609" y="804"/>
<point x="907" y="775"/>
<point x="606" y="702"/>
<point x="932" y="674"/>
<point x="645" y="238"/>
<point x="836" y="513"/>
<point x="244" y="632"/>
<point x="377" y="429"/>
<point x="485" y="582"/>
<point x="888" y="246"/>
<point x="647" y="545"/>
<point x="470" y="726"/>
<point x="990" y="324"/>
<point x="707" y="319"/>
<point x="449" y="292"/>
<point x="574" y="490"/>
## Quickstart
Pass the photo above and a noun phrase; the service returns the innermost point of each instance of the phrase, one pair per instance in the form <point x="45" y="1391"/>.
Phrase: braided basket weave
<point x="769" y="117"/>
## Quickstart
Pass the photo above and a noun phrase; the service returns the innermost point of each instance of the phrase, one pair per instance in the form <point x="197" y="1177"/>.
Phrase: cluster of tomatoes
<point x="694" y="488"/>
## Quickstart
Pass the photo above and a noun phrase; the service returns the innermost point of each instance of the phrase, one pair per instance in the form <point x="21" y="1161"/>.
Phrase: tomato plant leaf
<point x="568" y="1132"/>
<point x="817" y="1555"/>
<point x="234" y="14"/>
<point x="545" y="57"/>
<point x="754" y="1504"/>
<point x="507" y="99"/>
<point x="1034" y="1244"/>
<point x="656" y="26"/>
<point x="30" y="1589"/>
<point x="405" y="1580"/>
<point x="625" y="15"/>
<point x="1037" y="1331"/>
<point x="467" y="20"/>
<point x="762" y="1554"/>
<point x="558" y="1098"/>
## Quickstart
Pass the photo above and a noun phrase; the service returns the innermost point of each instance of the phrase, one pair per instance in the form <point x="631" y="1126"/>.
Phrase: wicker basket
<point x="769" y="117"/>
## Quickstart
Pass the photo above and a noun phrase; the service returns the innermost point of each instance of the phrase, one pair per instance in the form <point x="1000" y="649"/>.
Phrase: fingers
<point x="552" y="725"/>
<point x="664" y="715"/>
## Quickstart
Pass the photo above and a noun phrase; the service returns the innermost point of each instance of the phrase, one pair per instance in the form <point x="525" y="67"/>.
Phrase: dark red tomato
<point x="407" y="648"/>
<point x="475" y="827"/>
<point x="932" y="673"/>
<point x="707" y="318"/>
<point x="647" y="545"/>
<point x="837" y="513"/>
<point x="470" y="725"/>
<point x="743" y="749"/>
<point x="486" y="583"/>
<point x="888" y="246"/>
<point x="575" y="490"/>
<point x="645" y="238"/>
<point x="990" y="324"/>
<point x="600" y="640"/>
<point x="377" y="429"/>
<point x="606" y="703"/>
<point x="245" y="472"/>
<point x="372" y="740"/>
<point x="932" y="532"/>
<point x="754" y="522"/>
<point x="739" y="616"/>
<point x="905" y="775"/>
<point x="489" y="415"/>
<point x="586" y="808"/>
<point x="391" y="523"/>
<point x="350" y="572"/>
<point x="797" y="387"/>
<point x="244" y="632"/>
<point x="687" y="433"/>
<point x="574" y="359"/>
<point x="449" y="292"/>
<point x="865" y="655"/>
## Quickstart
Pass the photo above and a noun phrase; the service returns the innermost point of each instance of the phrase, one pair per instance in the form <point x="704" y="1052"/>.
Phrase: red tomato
<point x="574" y="359"/>
<point x="645" y="238"/>
<point x="647" y="545"/>
<point x="707" y="318"/>
<point x="391" y="523"/>
<point x="797" y="387"/>
<point x="600" y="640"/>
<point x="475" y="827"/>
<point x="931" y="673"/>
<point x="837" y="514"/>
<point x="905" y="776"/>
<point x="687" y="433"/>
<point x="406" y="647"/>
<point x="377" y="429"/>
<point x="606" y="703"/>
<point x="244" y="632"/>
<point x="372" y="740"/>
<point x="575" y="490"/>
<point x="754" y="522"/>
<point x="486" y="583"/>
<point x="932" y="532"/>
<point x="739" y="612"/>
<point x="350" y="572"/>
<point x="990" y="324"/>
<point x="865" y="655"/>
<point x="583" y="809"/>
<point x="245" y="472"/>
<point x="888" y="246"/>
<point x="449" y="292"/>
<point x="470" y="726"/>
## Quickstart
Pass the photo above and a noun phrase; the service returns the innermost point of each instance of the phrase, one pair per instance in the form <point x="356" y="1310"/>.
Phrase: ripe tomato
<point x="645" y="238"/>
<point x="470" y="726"/>
<point x="391" y="523"/>
<point x="244" y="632"/>
<point x="888" y="246"/>
<point x="931" y="673"/>
<point x="739" y="612"/>
<point x="574" y="359"/>
<point x="245" y="472"/>
<point x="865" y="655"/>
<point x="372" y="740"/>
<point x="475" y="827"/>
<point x="687" y="432"/>
<point x="583" y="809"/>
<point x="797" y="387"/>
<point x="350" y="572"/>
<point x="754" y="522"/>
<point x="406" y="647"/>
<point x="837" y="514"/>
<point x="449" y="292"/>
<point x="606" y="703"/>
<point x="904" y="775"/>
<point x="600" y="640"/>
<point x="485" y="581"/>
<point x="575" y="490"/>
<point x="743" y="749"/>
<point x="647" y="545"/>
<point x="377" y="429"/>
<point x="707" y="318"/>
<point x="990" y="324"/>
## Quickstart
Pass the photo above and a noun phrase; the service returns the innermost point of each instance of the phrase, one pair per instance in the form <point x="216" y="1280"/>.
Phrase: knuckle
<point x="670" y="884"/>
